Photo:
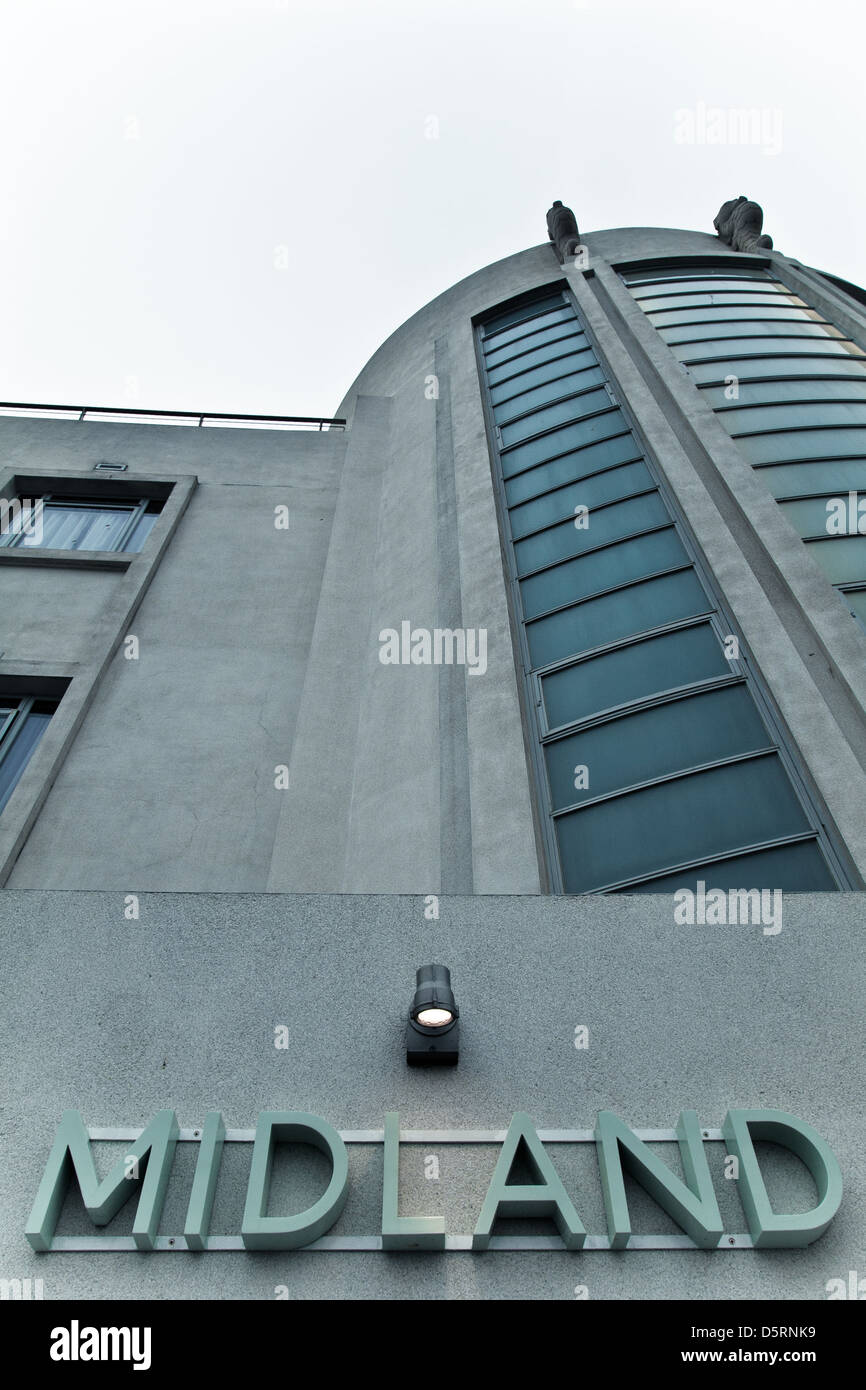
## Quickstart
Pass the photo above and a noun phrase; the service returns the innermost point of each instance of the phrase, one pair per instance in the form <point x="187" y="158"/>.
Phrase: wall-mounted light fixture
<point x="433" y="1032"/>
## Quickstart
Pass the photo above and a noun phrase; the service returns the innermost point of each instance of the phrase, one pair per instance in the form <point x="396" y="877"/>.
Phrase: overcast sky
<point x="229" y="204"/>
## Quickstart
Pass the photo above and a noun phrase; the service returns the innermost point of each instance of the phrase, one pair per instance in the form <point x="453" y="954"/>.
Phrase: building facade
<point x="562" y="614"/>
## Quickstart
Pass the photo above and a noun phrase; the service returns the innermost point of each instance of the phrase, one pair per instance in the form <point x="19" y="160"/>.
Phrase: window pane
<point x="550" y="391"/>
<point x="727" y="808"/>
<point x="807" y="389"/>
<point x="533" y="325"/>
<point x="525" y="311"/>
<point x="644" y="286"/>
<point x="815" y="444"/>
<point x="623" y="613"/>
<point x="728" y="348"/>
<point x="589" y="492"/>
<point x="840" y="365"/>
<point x="580" y="464"/>
<point x="79" y="528"/>
<point x="20" y="753"/>
<point x="140" y="531"/>
<point x="616" y="564"/>
<point x="780" y="417"/>
<point x="799" y="868"/>
<point x="700" y="300"/>
<point x="496" y="356"/>
<point x="734" y="313"/>
<point x="572" y="343"/>
<point x="855" y="602"/>
<point x="608" y="524"/>
<point x="561" y="441"/>
<point x="809" y="517"/>
<point x="798" y="479"/>
<point x="575" y="408"/>
<point x="632" y="673"/>
<point x="524" y="382"/>
<point x="685" y="733"/>
<point x="763" y="328"/>
<point x="843" y="558"/>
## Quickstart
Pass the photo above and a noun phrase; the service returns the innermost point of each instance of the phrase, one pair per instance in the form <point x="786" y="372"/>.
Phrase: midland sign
<point x="146" y="1164"/>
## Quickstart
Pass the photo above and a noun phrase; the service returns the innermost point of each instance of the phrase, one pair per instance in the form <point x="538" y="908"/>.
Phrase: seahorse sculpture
<point x="739" y="223"/>
<point x="562" y="230"/>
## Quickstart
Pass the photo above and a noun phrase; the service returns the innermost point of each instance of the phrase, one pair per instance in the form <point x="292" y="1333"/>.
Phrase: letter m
<point x="154" y="1148"/>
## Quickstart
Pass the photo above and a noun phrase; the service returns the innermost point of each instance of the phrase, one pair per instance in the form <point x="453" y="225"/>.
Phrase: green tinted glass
<point x="602" y="569"/>
<point x="797" y="868"/>
<point x="804" y="444"/>
<point x="624" y="613"/>
<point x="561" y="441"/>
<point x="569" y="467"/>
<point x="672" y="737"/>
<point x="590" y="492"/>
<point x="633" y="673"/>
<point x="608" y="524"/>
<point x="726" y="808"/>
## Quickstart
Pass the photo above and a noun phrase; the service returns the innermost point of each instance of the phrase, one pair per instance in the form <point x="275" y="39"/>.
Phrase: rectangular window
<point x="23" y="721"/>
<point x="50" y="522"/>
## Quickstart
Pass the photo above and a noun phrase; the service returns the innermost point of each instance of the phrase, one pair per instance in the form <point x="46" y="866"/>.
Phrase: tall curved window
<point x="788" y="386"/>
<point x="660" y="763"/>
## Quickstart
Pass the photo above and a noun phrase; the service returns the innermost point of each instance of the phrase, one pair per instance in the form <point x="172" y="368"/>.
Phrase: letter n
<point x="692" y="1203"/>
<point x="545" y="1197"/>
<point x="154" y="1148"/>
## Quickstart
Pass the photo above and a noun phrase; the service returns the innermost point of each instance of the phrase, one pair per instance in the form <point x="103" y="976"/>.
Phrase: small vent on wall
<point x="106" y="467"/>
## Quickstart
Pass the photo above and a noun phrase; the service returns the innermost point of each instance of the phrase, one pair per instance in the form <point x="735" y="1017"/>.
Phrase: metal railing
<point x="206" y="419"/>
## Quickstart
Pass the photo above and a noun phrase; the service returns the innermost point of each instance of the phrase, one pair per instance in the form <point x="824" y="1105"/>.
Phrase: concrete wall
<point x="178" y="1010"/>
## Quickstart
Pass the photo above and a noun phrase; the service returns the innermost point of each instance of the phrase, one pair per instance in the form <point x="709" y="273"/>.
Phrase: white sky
<point x="162" y="158"/>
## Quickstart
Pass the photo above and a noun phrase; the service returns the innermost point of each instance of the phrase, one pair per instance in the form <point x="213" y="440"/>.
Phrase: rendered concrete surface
<point x="118" y="1018"/>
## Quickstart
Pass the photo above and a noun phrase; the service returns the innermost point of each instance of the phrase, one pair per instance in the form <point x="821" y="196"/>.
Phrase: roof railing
<point x="205" y="419"/>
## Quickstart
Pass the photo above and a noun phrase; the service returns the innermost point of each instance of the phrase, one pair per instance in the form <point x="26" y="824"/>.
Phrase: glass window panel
<point x="633" y="673"/>
<point x="550" y="391"/>
<point x="608" y="524"/>
<point x="575" y="408"/>
<point x="842" y="388"/>
<point x="855" y="602"/>
<point x="800" y="479"/>
<point x="544" y="376"/>
<point x="694" y="300"/>
<point x="561" y="441"/>
<point x="798" y="868"/>
<point x="534" y="481"/>
<point x="640" y="280"/>
<point x="707" y="285"/>
<point x="815" y="444"/>
<point x="761" y="328"/>
<point x="707" y="813"/>
<point x="20" y="753"/>
<point x="669" y="318"/>
<point x="549" y="353"/>
<point x="728" y="348"/>
<point x="809" y="517"/>
<point x="590" y="492"/>
<point x="79" y="528"/>
<point x="842" y="558"/>
<point x="624" y="613"/>
<point x="140" y="531"/>
<point x="589" y="574"/>
<point x="667" y="738"/>
<point x="523" y="312"/>
<point x="780" y="417"/>
<point x="534" y="325"/>
<point x="752" y="368"/>
<point x="543" y="338"/>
